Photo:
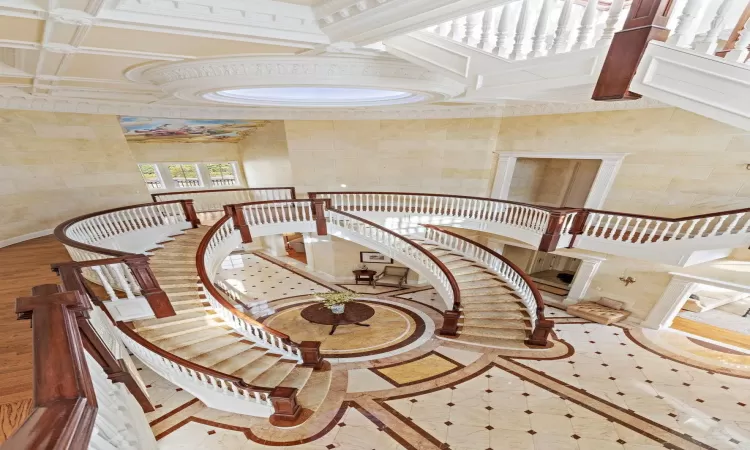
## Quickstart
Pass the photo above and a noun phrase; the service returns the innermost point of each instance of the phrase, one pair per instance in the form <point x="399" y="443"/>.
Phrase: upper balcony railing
<point x="526" y="29"/>
<point x="215" y="199"/>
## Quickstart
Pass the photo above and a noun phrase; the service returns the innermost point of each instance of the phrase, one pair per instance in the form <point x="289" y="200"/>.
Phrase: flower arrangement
<point x="336" y="301"/>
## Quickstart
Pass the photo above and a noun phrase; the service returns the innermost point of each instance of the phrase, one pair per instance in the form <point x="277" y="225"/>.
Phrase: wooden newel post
<point x="311" y="354"/>
<point x="647" y="21"/>
<point x="551" y="236"/>
<point x="189" y="210"/>
<point x="450" y="323"/>
<point x="540" y="335"/>
<point x="318" y="211"/>
<point x="576" y="229"/>
<point x="238" y="217"/>
<point x="285" y="405"/>
<point x="155" y="296"/>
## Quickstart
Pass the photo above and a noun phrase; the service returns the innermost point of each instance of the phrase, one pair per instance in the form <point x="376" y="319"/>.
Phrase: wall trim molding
<point x="25" y="237"/>
<point x="11" y="98"/>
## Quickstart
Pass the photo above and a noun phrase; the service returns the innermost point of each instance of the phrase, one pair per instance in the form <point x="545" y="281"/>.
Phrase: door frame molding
<point x="605" y="176"/>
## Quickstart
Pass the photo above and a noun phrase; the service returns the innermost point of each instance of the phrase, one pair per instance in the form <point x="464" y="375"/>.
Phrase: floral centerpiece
<point x="336" y="301"/>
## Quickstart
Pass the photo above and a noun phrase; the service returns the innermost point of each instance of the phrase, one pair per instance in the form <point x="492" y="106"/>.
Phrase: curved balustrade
<point x="401" y="248"/>
<point x="215" y="199"/>
<point x="124" y="231"/>
<point x="525" y="29"/>
<point x="509" y="272"/>
<point x="180" y="371"/>
<point x="514" y="214"/>
<point x="220" y="240"/>
<point x="638" y="229"/>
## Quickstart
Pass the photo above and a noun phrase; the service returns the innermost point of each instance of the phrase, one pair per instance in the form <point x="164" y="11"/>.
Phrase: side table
<point x="367" y="276"/>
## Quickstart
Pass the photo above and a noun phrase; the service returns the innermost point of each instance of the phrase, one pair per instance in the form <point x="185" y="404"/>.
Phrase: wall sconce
<point x="627" y="280"/>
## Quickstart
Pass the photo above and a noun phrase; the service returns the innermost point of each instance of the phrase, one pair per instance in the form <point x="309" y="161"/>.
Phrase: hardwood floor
<point x="712" y="332"/>
<point x="22" y="266"/>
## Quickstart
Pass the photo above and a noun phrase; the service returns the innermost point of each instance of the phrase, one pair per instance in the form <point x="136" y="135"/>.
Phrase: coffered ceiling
<point x="100" y="55"/>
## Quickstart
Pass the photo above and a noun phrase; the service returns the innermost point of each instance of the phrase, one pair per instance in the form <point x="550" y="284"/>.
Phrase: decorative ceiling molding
<point x="195" y="81"/>
<point x="16" y="99"/>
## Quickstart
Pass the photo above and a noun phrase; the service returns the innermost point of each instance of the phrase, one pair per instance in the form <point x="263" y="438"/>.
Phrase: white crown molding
<point x="16" y="99"/>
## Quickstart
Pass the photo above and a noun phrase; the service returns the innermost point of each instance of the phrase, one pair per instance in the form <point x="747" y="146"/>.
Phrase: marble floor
<point x="597" y="388"/>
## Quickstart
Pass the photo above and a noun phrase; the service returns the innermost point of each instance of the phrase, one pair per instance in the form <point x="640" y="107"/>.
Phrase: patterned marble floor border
<point x="642" y="341"/>
<point x="377" y="370"/>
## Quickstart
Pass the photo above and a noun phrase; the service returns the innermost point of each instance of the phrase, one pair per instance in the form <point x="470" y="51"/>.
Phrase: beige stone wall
<point x="399" y="155"/>
<point x="54" y="166"/>
<point x="265" y="157"/>
<point x="679" y="163"/>
<point x="338" y="257"/>
<point x="184" y="152"/>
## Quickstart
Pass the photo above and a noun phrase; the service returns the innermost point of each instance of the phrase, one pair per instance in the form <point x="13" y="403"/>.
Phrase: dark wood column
<point x="647" y="21"/>
<point x="318" y="209"/>
<point x="450" y="323"/>
<point x="238" y="217"/>
<point x="551" y="236"/>
<point x="189" y="209"/>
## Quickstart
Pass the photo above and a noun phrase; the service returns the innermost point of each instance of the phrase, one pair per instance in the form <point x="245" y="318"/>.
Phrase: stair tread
<point x="313" y="393"/>
<point x="181" y="316"/>
<point x="274" y="375"/>
<point x="495" y="314"/>
<point x="297" y="378"/>
<point x="241" y="360"/>
<point x="220" y="354"/>
<point x="519" y="324"/>
<point x="169" y="330"/>
<point x="190" y="351"/>
<point x="185" y="340"/>
<point x="493" y="307"/>
<point x="503" y="333"/>
<point x="493" y="342"/>
<point x="256" y="367"/>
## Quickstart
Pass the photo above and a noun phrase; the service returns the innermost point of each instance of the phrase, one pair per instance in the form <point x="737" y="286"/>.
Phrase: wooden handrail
<point x="451" y="279"/>
<point x="65" y="406"/>
<point x="534" y="290"/>
<point x="201" y="191"/>
<point x="215" y="293"/>
<point x="61" y="236"/>
<point x="185" y="363"/>
<point x="422" y="194"/>
<point x="667" y="219"/>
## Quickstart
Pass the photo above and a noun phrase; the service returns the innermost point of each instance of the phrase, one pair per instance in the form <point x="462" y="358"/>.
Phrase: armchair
<point x="391" y="275"/>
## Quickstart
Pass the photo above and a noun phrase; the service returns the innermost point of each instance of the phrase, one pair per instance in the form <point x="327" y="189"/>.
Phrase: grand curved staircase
<point x="144" y="279"/>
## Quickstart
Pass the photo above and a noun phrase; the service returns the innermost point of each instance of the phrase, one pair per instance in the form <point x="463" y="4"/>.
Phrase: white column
<point x="205" y="176"/>
<point x="307" y="238"/>
<point x="670" y="303"/>
<point x="499" y="248"/>
<point x="582" y="280"/>
<point x="166" y="177"/>
<point x="503" y="176"/>
<point x="603" y="182"/>
<point x="274" y="245"/>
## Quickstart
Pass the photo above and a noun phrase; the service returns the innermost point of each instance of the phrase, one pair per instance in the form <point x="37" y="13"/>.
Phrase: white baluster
<point x="458" y="29"/>
<point x="685" y="29"/>
<point x="105" y="282"/>
<point x="740" y="52"/>
<point x="586" y="30"/>
<point x="444" y="29"/>
<point x="539" y="47"/>
<point x="708" y="42"/>
<point x="615" y="10"/>
<point x="489" y="32"/>
<point x="473" y="29"/>
<point x="523" y="32"/>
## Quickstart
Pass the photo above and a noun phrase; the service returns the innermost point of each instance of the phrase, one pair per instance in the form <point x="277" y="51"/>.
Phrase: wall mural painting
<point x="158" y="130"/>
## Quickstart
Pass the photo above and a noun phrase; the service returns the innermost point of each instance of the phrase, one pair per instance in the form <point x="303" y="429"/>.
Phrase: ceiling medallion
<point x="326" y="81"/>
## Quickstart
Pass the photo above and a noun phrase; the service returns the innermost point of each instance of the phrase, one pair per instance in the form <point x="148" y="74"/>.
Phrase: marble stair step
<point x="189" y="339"/>
<point x="468" y="270"/>
<point x="451" y="258"/>
<point x="501" y="333"/>
<point x="180" y="317"/>
<point x="487" y="283"/>
<point x="174" y="270"/>
<point x="195" y="306"/>
<point x="492" y="342"/>
<point x="171" y="330"/>
<point x="496" y="323"/>
<point x="177" y="278"/>
<point x="185" y="295"/>
<point x="251" y="371"/>
<point x="297" y="377"/>
<point x="468" y="308"/>
<point x="473" y="292"/>
<point x="440" y="252"/>
<point x="171" y="263"/>
<point x="497" y="315"/>
<point x="185" y="287"/>
<point x="314" y="391"/>
<point x="190" y="351"/>
<point x="187" y="303"/>
<point x="241" y="360"/>
<point x="275" y="375"/>
<point x="479" y="275"/>
<point x="493" y="298"/>
<point x="458" y="264"/>
<point x="220" y="354"/>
